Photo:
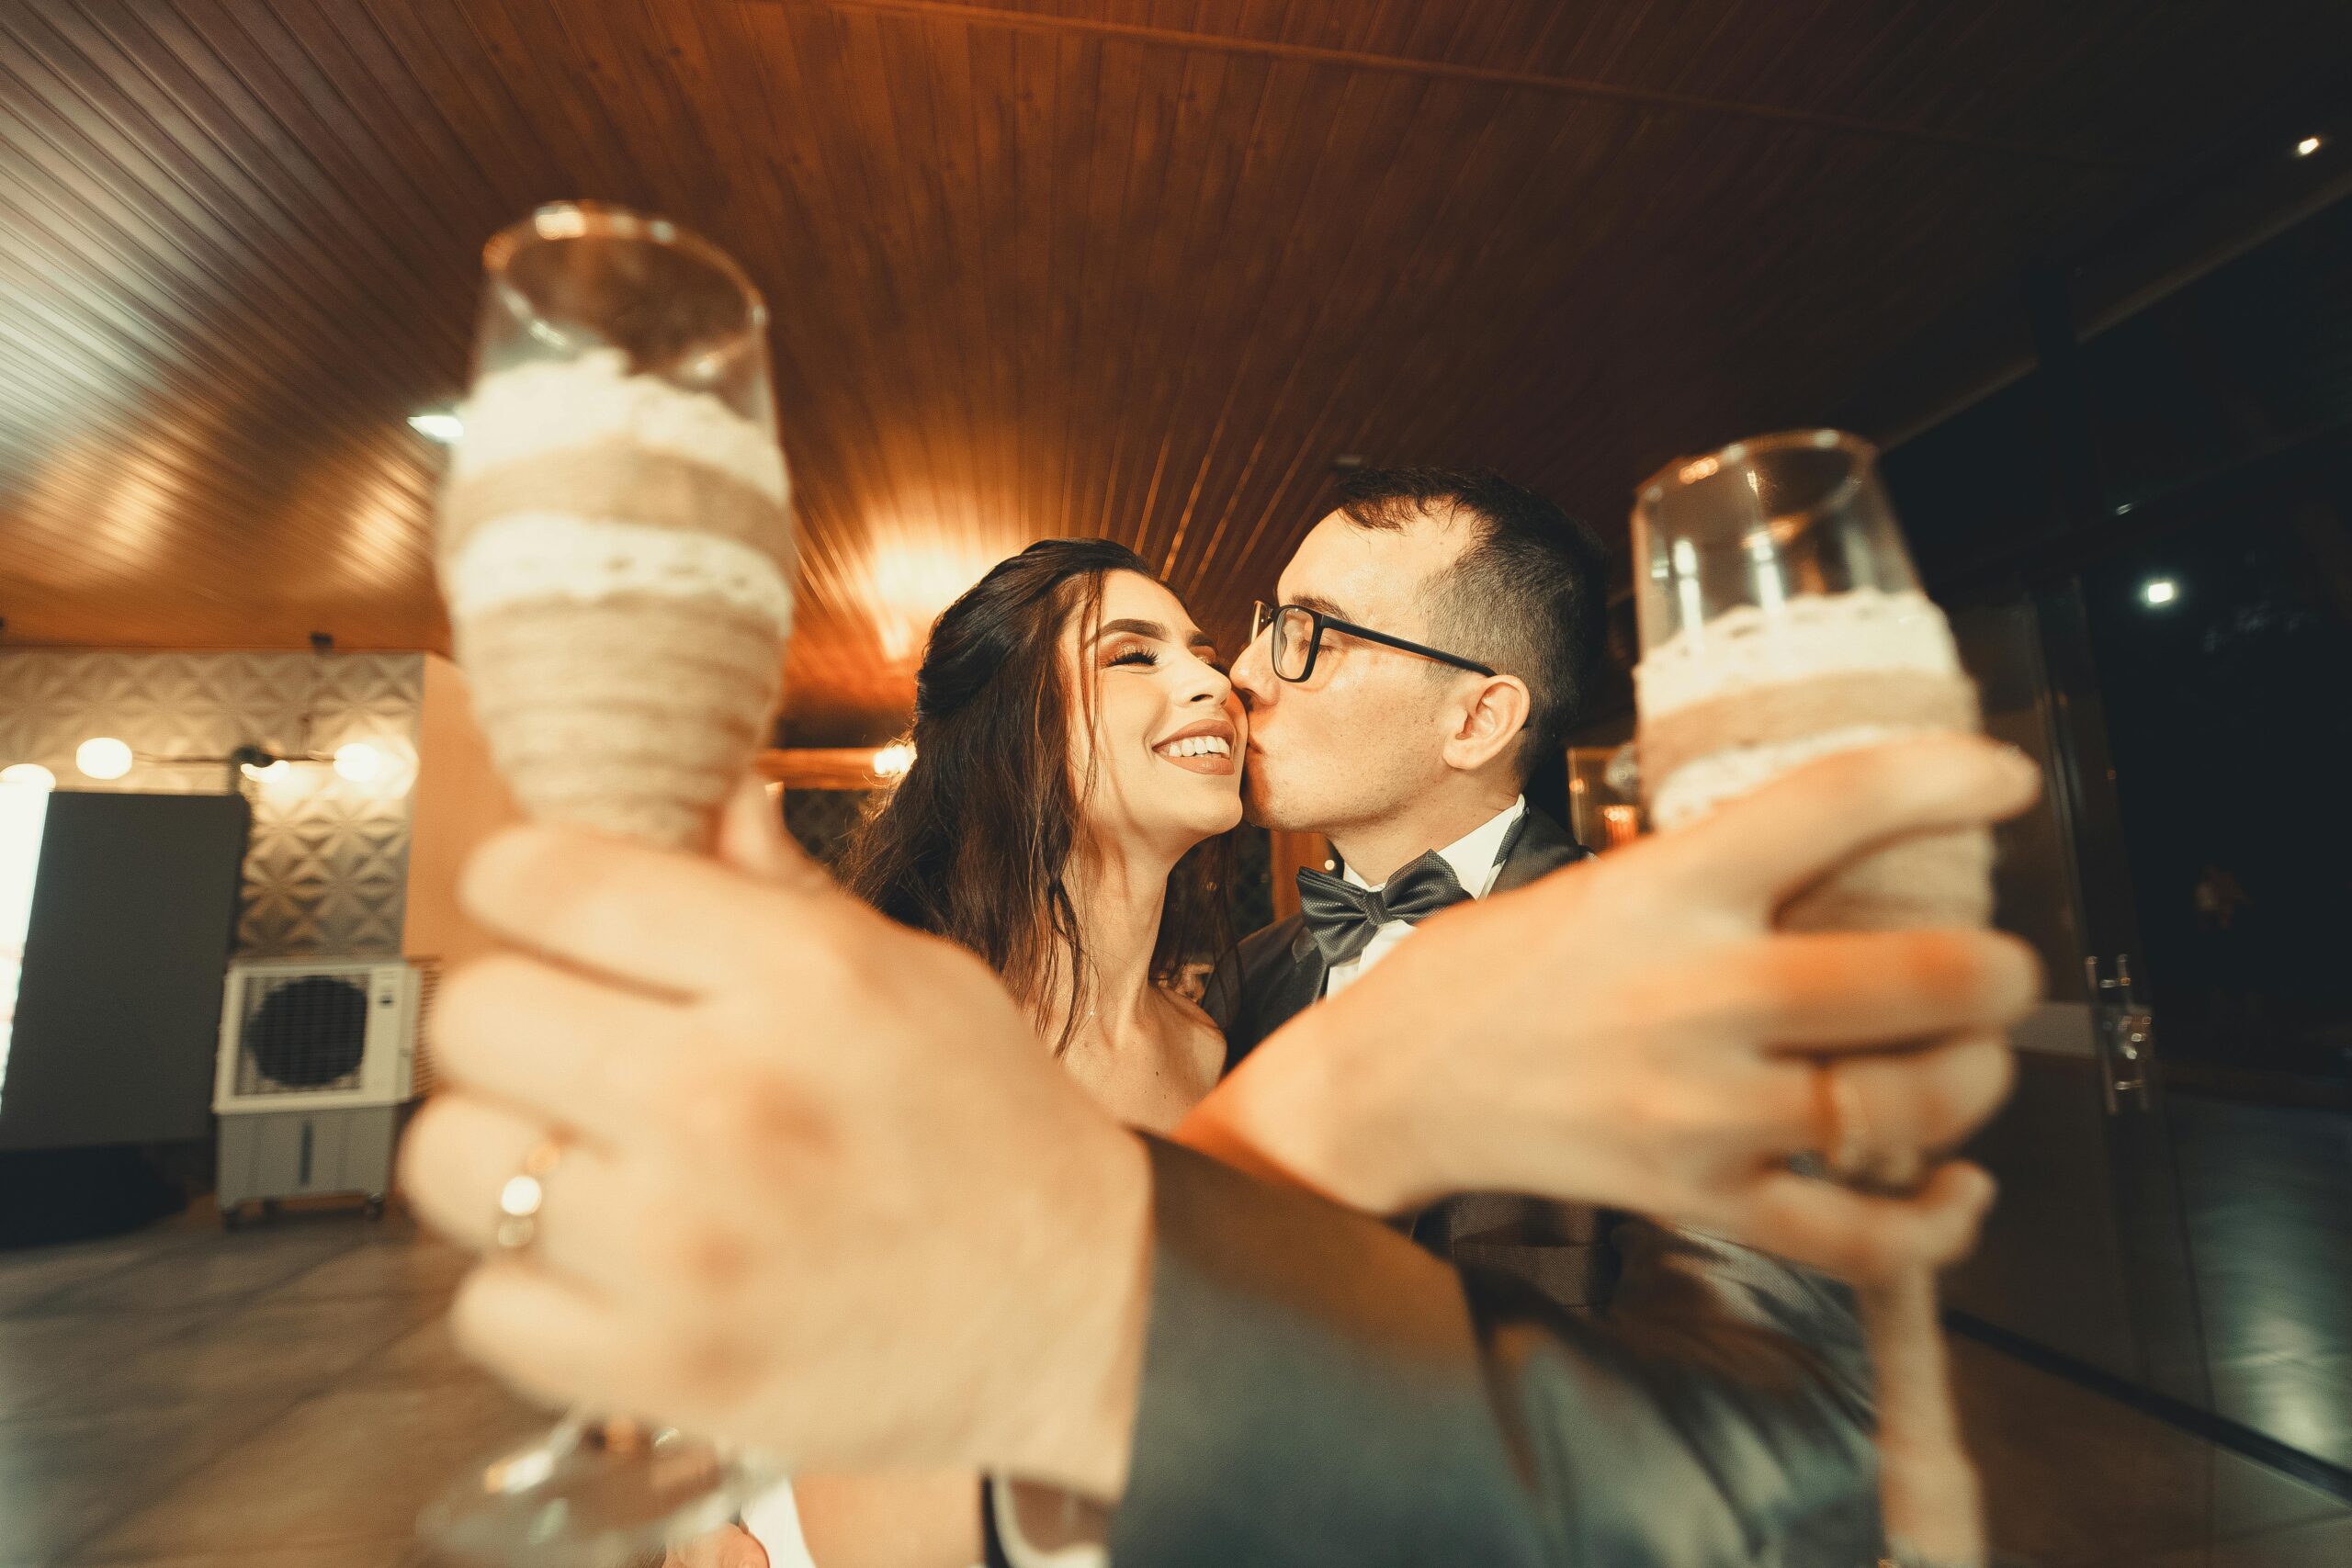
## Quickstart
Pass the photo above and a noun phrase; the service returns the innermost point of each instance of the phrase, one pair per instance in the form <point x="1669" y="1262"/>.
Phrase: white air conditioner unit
<point x="318" y="1034"/>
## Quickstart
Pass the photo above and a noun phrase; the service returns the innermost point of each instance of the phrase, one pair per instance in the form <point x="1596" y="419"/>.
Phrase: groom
<point x="1436" y="636"/>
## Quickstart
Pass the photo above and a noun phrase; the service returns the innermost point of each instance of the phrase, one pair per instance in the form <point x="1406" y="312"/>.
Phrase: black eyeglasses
<point x="1298" y="638"/>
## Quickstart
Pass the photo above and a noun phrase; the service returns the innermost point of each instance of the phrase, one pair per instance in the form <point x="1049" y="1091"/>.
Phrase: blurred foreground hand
<point x="1630" y="1032"/>
<point x="825" y="1193"/>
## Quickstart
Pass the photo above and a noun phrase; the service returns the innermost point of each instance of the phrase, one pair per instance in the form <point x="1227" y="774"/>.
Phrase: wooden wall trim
<point x="809" y="767"/>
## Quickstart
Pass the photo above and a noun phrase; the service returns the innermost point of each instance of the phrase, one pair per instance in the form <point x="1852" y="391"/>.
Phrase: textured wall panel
<point x="823" y="819"/>
<point x="327" y="872"/>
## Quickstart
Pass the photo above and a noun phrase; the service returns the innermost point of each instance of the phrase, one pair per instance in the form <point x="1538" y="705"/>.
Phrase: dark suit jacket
<point x="1318" y="1392"/>
<point x="1562" y="1249"/>
<point x="1315" y="1391"/>
<point x="1276" y="973"/>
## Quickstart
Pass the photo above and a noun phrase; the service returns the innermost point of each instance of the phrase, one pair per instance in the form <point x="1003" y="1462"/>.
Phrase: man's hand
<point x="824" y="1192"/>
<point x="1630" y="1032"/>
<point x="732" y="1547"/>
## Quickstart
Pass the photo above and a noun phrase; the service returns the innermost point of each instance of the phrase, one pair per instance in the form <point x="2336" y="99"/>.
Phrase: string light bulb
<point x="358" y="761"/>
<point x="102" y="757"/>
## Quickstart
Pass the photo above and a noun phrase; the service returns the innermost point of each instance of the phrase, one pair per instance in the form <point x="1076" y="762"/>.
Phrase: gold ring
<point x="520" y="1199"/>
<point x="1845" y="1129"/>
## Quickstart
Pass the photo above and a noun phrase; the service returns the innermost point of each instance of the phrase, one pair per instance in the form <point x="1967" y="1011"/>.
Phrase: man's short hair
<point x="1527" y="594"/>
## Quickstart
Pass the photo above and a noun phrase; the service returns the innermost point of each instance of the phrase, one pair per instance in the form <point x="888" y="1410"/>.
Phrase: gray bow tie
<point x="1343" y="916"/>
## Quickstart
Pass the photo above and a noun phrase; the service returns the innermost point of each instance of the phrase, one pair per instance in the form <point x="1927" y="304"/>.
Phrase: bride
<point x="1077" y="768"/>
<point x="1078" y="760"/>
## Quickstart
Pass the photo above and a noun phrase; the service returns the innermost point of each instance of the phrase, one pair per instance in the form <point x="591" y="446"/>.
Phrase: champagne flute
<point x="1780" y="621"/>
<point x="615" y="543"/>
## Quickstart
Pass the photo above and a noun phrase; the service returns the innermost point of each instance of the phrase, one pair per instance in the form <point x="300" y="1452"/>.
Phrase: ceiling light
<point x="446" y="428"/>
<point x="893" y="761"/>
<point x="29" y="775"/>
<point x="358" y="761"/>
<point x="2161" y="590"/>
<point x="2307" y="146"/>
<point x="102" y="757"/>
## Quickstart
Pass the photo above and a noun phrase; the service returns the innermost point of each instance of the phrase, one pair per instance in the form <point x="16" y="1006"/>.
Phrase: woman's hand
<point x="1630" y="1032"/>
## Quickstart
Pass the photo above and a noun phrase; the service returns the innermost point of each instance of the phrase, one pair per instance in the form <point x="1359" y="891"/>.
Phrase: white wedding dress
<point x="773" y="1521"/>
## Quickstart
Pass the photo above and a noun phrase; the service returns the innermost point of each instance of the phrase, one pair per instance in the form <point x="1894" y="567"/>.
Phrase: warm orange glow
<point x="123" y="500"/>
<point x="909" y="581"/>
<point x="1622" y="823"/>
<point x="804" y="767"/>
<point x="385" y="525"/>
<point x="914" y="551"/>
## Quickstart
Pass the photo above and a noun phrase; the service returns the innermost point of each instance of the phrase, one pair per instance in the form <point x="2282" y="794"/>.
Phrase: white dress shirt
<point x="1472" y="856"/>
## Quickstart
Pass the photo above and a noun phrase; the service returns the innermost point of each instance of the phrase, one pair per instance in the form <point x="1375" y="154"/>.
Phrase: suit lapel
<point x="1297" y="985"/>
<point x="1275" y="976"/>
<point x="1282" y="971"/>
<point x="1281" y="975"/>
<point x="1544" y="847"/>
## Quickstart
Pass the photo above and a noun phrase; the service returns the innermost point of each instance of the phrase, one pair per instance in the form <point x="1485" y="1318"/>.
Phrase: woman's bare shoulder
<point x="1206" y="1040"/>
<point x="1189" y="1008"/>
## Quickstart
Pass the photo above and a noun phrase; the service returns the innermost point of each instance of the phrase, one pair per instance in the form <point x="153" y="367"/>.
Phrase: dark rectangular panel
<point x="134" y="907"/>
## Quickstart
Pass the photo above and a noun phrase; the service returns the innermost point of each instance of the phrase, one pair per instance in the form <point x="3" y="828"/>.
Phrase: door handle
<point x="2126" y="1033"/>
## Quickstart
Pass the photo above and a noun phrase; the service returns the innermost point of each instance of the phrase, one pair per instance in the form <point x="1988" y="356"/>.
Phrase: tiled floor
<point x="285" y="1398"/>
<point x="2268" y="1192"/>
<point x="282" y="1398"/>
<point x="2075" y="1480"/>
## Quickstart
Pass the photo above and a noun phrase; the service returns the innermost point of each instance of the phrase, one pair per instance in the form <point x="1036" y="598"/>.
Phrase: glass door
<point x="2087" y="1259"/>
<point x="2223" y="652"/>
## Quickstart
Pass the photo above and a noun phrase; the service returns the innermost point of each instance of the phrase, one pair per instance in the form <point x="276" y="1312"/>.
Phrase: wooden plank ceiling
<point x="1134" y="267"/>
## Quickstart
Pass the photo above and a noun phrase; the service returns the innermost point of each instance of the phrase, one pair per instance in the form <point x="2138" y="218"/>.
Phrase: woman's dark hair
<point x="975" y="843"/>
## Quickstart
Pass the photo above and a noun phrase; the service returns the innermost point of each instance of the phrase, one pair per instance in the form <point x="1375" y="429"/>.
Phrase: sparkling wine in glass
<point x="614" y="545"/>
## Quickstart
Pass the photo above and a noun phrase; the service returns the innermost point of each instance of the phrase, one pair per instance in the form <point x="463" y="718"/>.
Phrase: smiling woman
<point x="1160" y="690"/>
<point x="1067" y="814"/>
<point x="1075" y="742"/>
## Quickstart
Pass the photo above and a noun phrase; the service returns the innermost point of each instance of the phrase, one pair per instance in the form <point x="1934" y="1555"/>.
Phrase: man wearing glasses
<point x="1435" y="639"/>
